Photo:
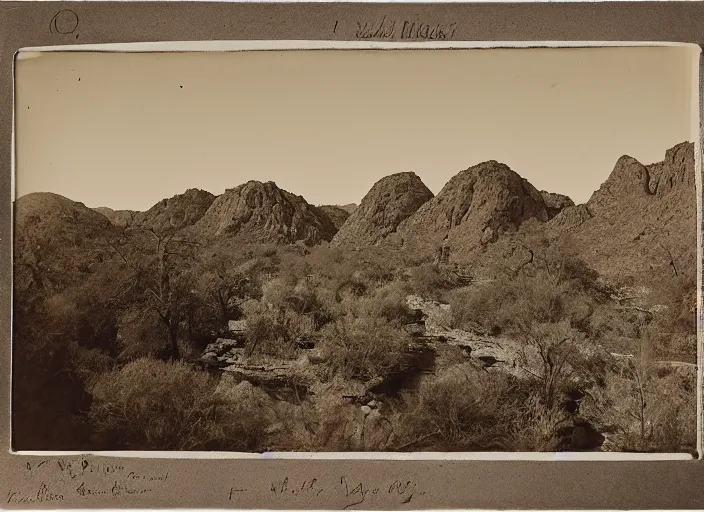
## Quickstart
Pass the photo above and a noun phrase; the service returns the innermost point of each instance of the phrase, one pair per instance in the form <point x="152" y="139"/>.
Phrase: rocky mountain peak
<point x="262" y="212"/>
<point x="177" y="212"/>
<point x="631" y="181"/>
<point x="388" y="203"/>
<point x="474" y="208"/>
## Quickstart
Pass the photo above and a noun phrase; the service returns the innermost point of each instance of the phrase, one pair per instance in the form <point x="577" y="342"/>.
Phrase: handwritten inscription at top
<point x="406" y="30"/>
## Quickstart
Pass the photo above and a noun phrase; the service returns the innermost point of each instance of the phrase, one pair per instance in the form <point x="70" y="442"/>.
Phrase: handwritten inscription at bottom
<point x="358" y="493"/>
<point x="42" y="495"/>
<point x="65" y="479"/>
<point x="353" y="492"/>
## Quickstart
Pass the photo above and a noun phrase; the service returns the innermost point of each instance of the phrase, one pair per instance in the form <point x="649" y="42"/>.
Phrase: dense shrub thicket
<point x="108" y="362"/>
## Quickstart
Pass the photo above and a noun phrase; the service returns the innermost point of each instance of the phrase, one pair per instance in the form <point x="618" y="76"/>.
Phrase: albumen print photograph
<point x="458" y="250"/>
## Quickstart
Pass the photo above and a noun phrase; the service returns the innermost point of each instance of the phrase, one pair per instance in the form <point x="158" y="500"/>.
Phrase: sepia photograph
<point x="441" y="250"/>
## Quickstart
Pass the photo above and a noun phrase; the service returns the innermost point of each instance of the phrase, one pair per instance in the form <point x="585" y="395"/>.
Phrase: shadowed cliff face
<point x="389" y="202"/>
<point x="337" y="214"/>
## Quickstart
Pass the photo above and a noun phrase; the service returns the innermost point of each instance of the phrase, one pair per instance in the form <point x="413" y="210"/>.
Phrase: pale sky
<point x="126" y="130"/>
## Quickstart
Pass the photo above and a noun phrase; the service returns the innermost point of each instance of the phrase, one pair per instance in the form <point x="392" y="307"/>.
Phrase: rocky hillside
<point x="119" y="218"/>
<point x="264" y="213"/>
<point x="173" y="214"/>
<point x="555" y="203"/>
<point x="337" y="214"/>
<point x="642" y="219"/>
<point x="168" y="215"/>
<point x="349" y="208"/>
<point x="57" y="241"/>
<point x="473" y="209"/>
<point x="389" y="202"/>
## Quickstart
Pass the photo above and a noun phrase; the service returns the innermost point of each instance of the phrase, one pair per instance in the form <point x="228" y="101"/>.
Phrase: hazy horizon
<point x="327" y="125"/>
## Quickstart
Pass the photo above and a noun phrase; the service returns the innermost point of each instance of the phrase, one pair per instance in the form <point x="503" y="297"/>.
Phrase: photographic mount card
<point x="131" y="483"/>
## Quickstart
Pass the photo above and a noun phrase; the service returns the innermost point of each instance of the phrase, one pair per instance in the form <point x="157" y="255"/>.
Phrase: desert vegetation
<point x="145" y="336"/>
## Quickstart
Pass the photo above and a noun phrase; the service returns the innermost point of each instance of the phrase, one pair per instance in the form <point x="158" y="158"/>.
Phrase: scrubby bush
<point x="275" y="332"/>
<point x="297" y="296"/>
<point x="557" y="350"/>
<point x="507" y="304"/>
<point x="431" y="281"/>
<point x="459" y="410"/>
<point x="533" y="427"/>
<point x="155" y="405"/>
<point x="549" y="290"/>
<point x="141" y="334"/>
<point x="648" y="409"/>
<point x="388" y="302"/>
<point x="364" y="348"/>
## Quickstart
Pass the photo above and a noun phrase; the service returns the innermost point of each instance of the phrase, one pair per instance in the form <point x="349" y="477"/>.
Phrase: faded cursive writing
<point x="41" y="496"/>
<point x="415" y="30"/>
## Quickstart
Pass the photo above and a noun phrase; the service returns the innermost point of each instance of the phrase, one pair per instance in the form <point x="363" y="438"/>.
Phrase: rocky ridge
<point x="263" y="213"/>
<point x="389" y="202"/>
<point x="473" y="209"/>
<point x="641" y="220"/>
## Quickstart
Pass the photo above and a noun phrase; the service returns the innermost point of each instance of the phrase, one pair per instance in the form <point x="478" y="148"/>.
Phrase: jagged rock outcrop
<point x="641" y="220"/>
<point x="632" y="182"/>
<point x="257" y="212"/>
<point x="389" y="202"/>
<point x="474" y="208"/>
<point x="337" y="214"/>
<point x="675" y="171"/>
<point x="555" y="203"/>
<point x="629" y="180"/>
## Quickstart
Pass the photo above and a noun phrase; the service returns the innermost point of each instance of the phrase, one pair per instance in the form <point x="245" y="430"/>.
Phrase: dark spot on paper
<point x="181" y="86"/>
